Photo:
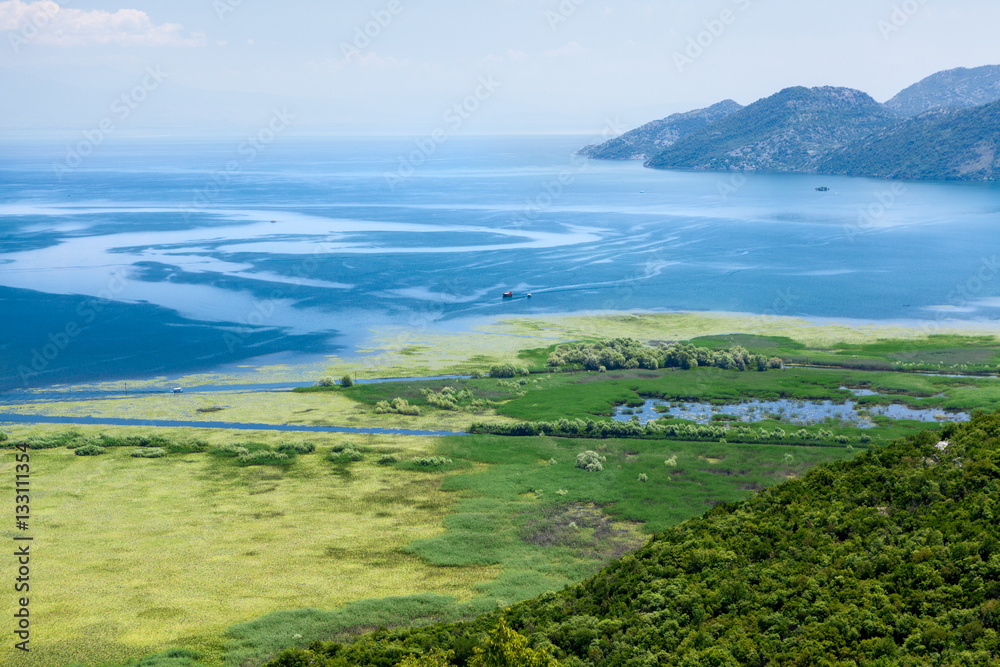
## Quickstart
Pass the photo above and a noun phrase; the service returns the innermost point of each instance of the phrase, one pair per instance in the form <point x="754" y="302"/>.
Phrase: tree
<point x="503" y="371"/>
<point x="346" y="381"/>
<point x="505" y="648"/>
<point x="436" y="658"/>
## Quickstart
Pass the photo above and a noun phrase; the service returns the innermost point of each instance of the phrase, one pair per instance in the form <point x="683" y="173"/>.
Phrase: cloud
<point x="570" y="50"/>
<point x="45" y="22"/>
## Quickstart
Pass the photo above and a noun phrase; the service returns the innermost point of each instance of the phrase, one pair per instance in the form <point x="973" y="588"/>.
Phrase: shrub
<point x="40" y="443"/>
<point x="263" y="457"/>
<point x="388" y="460"/>
<point x="345" y="455"/>
<point x="590" y="460"/>
<point x="430" y="461"/>
<point x="326" y="382"/>
<point x="864" y="439"/>
<point x="503" y="371"/>
<point x="477" y="375"/>
<point x="643" y="477"/>
<point x="150" y="453"/>
<point x="230" y="450"/>
<point x="448" y="398"/>
<point x="671" y="462"/>
<point x="90" y="450"/>
<point x="399" y="406"/>
<point x="296" y="448"/>
<point x="346" y="381"/>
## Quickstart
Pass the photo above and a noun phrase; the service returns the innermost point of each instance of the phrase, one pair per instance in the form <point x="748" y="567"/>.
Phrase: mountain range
<point x="942" y="128"/>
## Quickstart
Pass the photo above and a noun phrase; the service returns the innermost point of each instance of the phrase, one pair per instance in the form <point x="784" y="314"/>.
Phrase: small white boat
<point x="178" y="390"/>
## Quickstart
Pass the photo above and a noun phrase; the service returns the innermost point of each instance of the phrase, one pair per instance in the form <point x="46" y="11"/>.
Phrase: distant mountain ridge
<point x="944" y="144"/>
<point x="943" y="128"/>
<point x="954" y="88"/>
<point x="790" y="131"/>
<point x="645" y="141"/>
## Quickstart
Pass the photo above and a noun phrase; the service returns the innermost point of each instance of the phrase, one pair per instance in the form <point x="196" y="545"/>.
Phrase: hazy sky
<point x="537" y="65"/>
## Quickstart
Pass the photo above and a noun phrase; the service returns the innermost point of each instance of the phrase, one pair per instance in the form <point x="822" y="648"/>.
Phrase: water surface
<point x="166" y="255"/>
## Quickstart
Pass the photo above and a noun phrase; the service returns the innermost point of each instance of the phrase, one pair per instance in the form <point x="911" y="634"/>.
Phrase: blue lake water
<point x="165" y="255"/>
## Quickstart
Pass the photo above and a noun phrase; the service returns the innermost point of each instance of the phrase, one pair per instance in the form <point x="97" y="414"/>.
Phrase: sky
<point x="471" y="66"/>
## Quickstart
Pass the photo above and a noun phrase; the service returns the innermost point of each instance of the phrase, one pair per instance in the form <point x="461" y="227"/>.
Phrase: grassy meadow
<point x="135" y="556"/>
<point x="138" y="556"/>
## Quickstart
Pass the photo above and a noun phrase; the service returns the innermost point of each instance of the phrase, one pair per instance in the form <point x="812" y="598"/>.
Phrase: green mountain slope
<point x="890" y="559"/>
<point x="954" y="88"/>
<point x="947" y="144"/>
<point x="792" y="130"/>
<point x="651" y="138"/>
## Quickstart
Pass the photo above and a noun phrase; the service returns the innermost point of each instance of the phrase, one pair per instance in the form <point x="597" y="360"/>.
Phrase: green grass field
<point x="138" y="556"/>
<point x="135" y="556"/>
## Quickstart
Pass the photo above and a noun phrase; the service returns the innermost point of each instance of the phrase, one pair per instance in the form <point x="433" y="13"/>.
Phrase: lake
<point x="164" y="255"/>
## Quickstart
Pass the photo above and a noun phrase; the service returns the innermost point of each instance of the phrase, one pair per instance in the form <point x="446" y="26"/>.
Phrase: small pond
<point x="800" y="413"/>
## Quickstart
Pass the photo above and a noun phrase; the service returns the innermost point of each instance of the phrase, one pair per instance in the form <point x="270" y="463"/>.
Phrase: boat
<point x="508" y="294"/>
<point x="528" y="295"/>
<point x="822" y="188"/>
<point x="178" y="390"/>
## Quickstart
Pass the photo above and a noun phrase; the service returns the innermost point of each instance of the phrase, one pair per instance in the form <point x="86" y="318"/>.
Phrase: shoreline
<point x="460" y="345"/>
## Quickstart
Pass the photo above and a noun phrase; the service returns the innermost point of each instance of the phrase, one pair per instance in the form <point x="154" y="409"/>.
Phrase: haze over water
<point x="159" y="256"/>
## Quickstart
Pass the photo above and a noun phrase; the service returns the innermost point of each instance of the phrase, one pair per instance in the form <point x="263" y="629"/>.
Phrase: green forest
<point x="892" y="558"/>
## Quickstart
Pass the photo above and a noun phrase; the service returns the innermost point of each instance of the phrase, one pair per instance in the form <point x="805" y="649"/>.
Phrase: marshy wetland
<point x="326" y="534"/>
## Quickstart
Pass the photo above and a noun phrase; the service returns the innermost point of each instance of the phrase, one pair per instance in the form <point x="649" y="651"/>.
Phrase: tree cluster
<point x="629" y="353"/>
<point x="600" y="430"/>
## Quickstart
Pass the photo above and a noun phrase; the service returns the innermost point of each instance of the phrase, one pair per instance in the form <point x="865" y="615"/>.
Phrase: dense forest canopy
<point x="892" y="558"/>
